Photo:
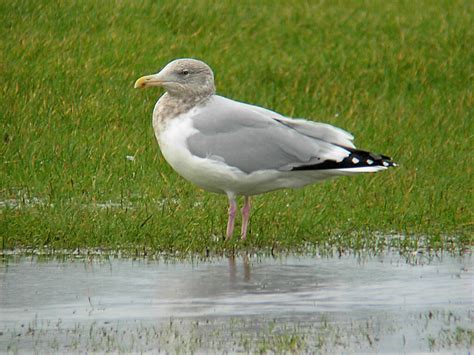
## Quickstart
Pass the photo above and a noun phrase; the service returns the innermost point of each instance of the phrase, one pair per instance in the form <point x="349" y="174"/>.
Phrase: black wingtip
<point x="357" y="159"/>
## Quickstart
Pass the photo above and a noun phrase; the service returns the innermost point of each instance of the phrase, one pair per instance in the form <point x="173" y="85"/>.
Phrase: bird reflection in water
<point x="233" y="268"/>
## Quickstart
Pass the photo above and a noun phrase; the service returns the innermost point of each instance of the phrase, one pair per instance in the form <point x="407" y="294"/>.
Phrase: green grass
<point x="396" y="74"/>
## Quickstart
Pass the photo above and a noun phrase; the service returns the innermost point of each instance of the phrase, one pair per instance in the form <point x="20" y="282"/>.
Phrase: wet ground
<point x="238" y="304"/>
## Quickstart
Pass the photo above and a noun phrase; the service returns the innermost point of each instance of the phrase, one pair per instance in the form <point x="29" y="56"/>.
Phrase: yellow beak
<point x="148" y="80"/>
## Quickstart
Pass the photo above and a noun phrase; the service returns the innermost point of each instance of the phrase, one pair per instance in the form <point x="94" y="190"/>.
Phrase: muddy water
<point x="236" y="304"/>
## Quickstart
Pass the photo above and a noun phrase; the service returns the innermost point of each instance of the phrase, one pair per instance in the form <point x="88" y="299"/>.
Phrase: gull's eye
<point x="185" y="72"/>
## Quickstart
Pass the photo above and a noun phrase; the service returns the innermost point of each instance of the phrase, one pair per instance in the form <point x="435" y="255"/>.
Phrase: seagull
<point x="237" y="149"/>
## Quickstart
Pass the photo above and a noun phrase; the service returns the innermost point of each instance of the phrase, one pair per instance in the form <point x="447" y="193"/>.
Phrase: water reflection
<point x="299" y="290"/>
<point x="233" y="268"/>
<point x="238" y="284"/>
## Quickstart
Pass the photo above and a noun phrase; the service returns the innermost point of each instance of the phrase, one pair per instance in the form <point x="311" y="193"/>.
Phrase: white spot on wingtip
<point x="355" y="160"/>
<point x="370" y="161"/>
<point x="385" y="163"/>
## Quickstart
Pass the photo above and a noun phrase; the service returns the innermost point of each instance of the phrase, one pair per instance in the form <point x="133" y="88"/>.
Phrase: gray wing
<point x="322" y="131"/>
<point x="251" y="138"/>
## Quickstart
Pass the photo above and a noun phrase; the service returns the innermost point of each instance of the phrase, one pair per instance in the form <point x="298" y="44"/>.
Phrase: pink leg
<point x="245" y="217"/>
<point x="230" y="221"/>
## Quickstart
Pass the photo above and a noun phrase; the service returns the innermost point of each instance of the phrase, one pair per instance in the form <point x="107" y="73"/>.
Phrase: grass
<point x="242" y="335"/>
<point x="396" y="74"/>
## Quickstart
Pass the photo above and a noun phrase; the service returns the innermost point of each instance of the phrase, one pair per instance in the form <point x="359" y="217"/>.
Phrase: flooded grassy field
<point x="354" y="303"/>
<point x="81" y="171"/>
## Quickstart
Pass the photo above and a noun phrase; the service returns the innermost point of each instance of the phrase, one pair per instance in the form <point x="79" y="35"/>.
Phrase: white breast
<point x="172" y="140"/>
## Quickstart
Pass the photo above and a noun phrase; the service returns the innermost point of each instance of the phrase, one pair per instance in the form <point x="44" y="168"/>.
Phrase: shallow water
<point x="234" y="304"/>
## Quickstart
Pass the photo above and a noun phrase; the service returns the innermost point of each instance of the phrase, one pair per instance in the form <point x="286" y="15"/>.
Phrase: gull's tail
<point x="358" y="161"/>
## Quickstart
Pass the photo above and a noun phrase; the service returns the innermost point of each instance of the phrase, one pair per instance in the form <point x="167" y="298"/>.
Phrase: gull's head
<point x="182" y="77"/>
